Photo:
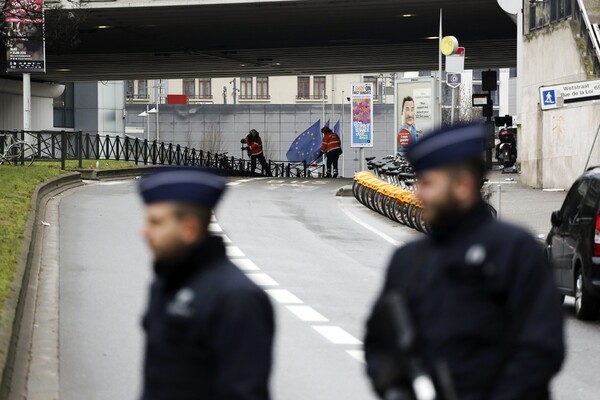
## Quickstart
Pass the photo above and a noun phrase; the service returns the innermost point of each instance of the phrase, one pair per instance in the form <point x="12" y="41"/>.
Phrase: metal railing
<point x="311" y="97"/>
<point x="586" y="30"/>
<point x="62" y="146"/>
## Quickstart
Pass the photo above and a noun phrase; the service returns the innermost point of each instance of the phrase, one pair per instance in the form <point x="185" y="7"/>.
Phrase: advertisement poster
<point x="361" y="99"/>
<point x="24" y="21"/>
<point x="415" y="102"/>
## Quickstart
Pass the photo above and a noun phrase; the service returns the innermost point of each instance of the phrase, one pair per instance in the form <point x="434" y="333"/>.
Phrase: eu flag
<point x="336" y="128"/>
<point x="307" y="146"/>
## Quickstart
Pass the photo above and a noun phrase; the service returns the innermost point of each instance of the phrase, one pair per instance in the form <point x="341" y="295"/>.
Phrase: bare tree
<point x="212" y="140"/>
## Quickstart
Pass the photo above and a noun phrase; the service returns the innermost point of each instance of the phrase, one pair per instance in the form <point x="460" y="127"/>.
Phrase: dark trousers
<point x="332" y="161"/>
<point x="263" y="162"/>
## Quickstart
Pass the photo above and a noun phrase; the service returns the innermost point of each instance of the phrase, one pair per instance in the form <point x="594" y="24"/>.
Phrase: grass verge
<point x="17" y="185"/>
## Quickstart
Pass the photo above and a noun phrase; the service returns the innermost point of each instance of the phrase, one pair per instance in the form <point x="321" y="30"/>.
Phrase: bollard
<point x="80" y="149"/>
<point x="499" y="200"/>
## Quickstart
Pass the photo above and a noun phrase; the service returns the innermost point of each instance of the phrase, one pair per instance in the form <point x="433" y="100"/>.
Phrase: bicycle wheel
<point x="20" y="152"/>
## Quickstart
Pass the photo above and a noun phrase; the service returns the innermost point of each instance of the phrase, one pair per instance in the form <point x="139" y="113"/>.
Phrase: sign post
<point x="361" y="109"/>
<point x="453" y="80"/>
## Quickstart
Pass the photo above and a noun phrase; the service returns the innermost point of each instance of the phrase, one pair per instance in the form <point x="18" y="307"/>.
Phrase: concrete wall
<point x="11" y="104"/>
<point x="99" y="107"/>
<point x="278" y="124"/>
<point x="554" y="145"/>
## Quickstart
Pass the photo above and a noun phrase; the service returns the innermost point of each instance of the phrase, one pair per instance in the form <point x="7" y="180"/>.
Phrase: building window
<point x="143" y="89"/>
<point x="320" y="90"/>
<point x="303" y="87"/>
<point x="204" y="86"/>
<point x="189" y="87"/>
<point x="64" y="110"/>
<point x="262" y="88"/>
<point x="129" y="89"/>
<point x="544" y="12"/>
<point x="375" y="81"/>
<point x="245" y="88"/>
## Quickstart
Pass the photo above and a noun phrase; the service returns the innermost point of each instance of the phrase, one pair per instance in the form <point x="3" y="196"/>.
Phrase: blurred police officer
<point x="480" y="292"/>
<point x="209" y="329"/>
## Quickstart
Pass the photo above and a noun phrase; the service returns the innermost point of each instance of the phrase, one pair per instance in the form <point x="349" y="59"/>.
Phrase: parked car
<point x="573" y="245"/>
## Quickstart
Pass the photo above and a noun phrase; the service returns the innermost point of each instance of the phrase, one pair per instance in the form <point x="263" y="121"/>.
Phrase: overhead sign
<point x="453" y="80"/>
<point x="557" y="95"/>
<point x="361" y="99"/>
<point x="25" y="49"/>
<point x="455" y="63"/>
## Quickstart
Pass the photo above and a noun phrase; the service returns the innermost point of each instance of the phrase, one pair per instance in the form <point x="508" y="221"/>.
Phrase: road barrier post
<point x="63" y="149"/>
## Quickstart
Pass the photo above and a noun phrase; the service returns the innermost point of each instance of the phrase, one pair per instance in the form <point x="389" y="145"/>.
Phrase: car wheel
<point x="586" y="306"/>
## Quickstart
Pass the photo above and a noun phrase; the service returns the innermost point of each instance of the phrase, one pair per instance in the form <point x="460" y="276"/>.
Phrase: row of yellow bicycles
<point x="391" y="197"/>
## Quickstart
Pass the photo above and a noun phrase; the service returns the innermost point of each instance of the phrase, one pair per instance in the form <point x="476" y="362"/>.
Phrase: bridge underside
<point x="279" y="38"/>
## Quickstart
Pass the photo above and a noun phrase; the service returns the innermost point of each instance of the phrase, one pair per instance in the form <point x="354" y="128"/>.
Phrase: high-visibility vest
<point x="331" y="141"/>
<point x="255" y="145"/>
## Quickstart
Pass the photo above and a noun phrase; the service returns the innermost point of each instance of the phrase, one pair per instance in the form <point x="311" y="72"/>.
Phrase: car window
<point x="574" y="200"/>
<point x="589" y="207"/>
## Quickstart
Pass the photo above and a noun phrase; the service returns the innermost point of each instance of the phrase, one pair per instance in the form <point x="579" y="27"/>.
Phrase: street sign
<point x="455" y="63"/>
<point x="361" y="101"/>
<point x="557" y="95"/>
<point x="480" y="99"/>
<point x="453" y="80"/>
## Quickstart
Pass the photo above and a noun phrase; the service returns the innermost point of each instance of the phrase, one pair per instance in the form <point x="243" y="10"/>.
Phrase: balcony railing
<point x="136" y="97"/>
<point x="311" y="97"/>
<point x="254" y="97"/>
<point x="200" y="98"/>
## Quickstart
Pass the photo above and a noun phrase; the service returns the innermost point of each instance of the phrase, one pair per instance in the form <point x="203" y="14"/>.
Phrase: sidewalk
<point x="523" y="205"/>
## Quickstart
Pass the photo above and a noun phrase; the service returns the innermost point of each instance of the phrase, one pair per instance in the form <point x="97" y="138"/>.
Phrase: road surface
<point x="321" y="258"/>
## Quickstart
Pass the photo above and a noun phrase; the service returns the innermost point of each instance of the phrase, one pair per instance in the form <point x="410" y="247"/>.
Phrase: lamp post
<point x="146" y="114"/>
<point x="154" y="110"/>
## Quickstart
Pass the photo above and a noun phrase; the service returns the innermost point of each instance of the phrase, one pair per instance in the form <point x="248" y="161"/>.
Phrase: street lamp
<point x="154" y="110"/>
<point x="146" y="114"/>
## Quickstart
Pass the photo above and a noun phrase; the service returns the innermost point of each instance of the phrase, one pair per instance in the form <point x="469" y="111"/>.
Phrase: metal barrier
<point x="63" y="146"/>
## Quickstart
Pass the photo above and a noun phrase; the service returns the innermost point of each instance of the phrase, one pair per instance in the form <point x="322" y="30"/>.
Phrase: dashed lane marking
<point x="283" y="296"/>
<point x="382" y="235"/>
<point x="214" y="228"/>
<point x="336" y="335"/>
<point x="307" y="313"/>
<point x="233" y="251"/>
<point x="245" y="264"/>
<point x="262" y="279"/>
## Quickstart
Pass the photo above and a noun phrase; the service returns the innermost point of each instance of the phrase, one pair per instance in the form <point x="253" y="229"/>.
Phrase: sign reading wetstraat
<point x="553" y="96"/>
<point x="361" y="99"/>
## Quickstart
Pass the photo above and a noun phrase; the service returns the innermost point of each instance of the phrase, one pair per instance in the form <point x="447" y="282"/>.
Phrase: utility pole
<point x="235" y="90"/>
<point x="26" y="101"/>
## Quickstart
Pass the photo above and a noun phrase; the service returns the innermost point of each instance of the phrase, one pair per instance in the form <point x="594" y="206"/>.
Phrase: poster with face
<point x="414" y="114"/>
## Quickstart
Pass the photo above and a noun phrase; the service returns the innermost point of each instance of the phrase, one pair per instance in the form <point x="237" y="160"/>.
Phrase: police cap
<point x="198" y="186"/>
<point x="447" y="146"/>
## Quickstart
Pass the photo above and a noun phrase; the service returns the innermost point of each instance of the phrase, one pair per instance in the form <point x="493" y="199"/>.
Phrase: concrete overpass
<point x="123" y="39"/>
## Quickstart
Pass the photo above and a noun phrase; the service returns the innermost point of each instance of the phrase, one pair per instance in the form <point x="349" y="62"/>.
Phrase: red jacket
<point x="331" y="141"/>
<point x="255" y="145"/>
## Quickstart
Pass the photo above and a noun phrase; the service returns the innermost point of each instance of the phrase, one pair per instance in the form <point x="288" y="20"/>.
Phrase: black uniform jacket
<point x="209" y="331"/>
<point x="475" y="281"/>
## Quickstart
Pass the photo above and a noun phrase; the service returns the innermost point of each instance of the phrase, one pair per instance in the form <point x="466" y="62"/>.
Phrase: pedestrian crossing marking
<point x="307" y="313"/>
<point x="233" y="251"/>
<point x="262" y="279"/>
<point x="245" y="264"/>
<point x="336" y="335"/>
<point x="283" y="296"/>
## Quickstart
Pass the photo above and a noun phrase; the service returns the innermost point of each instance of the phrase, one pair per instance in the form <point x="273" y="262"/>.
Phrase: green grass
<point x="17" y="185"/>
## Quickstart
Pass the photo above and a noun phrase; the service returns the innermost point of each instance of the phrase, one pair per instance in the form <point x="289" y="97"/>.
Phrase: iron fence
<point x="63" y="146"/>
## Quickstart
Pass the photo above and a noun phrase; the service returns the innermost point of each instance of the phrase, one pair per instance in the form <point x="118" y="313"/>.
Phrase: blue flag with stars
<point x="336" y="128"/>
<point x="307" y="146"/>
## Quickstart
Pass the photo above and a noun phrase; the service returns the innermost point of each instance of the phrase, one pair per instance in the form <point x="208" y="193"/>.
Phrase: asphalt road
<point x="320" y="257"/>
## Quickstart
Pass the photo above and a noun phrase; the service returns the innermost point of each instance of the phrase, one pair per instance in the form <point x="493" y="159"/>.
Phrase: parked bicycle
<point x="16" y="151"/>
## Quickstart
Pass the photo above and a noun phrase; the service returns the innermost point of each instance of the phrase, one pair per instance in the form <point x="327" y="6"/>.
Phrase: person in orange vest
<point x="332" y="148"/>
<point x="254" y="146"/>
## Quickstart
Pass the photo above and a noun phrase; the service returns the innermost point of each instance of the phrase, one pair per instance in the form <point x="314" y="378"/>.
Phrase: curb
<point x="14" y="306"/>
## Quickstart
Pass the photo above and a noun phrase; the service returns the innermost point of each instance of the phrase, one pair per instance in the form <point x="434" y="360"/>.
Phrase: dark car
<point x="573" y="245"/>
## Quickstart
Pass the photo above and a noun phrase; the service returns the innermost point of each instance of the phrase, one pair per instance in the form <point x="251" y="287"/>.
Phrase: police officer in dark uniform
<point x="209" y="329"/>
<point x="479" y="292"/>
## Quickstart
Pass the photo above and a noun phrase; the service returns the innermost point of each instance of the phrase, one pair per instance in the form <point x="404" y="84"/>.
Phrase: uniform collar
<point x="174" y="274"/>
<point x="462" y="224"/>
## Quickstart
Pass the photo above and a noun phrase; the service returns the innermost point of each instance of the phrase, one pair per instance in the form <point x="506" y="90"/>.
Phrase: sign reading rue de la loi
<point x="554" y="96"/>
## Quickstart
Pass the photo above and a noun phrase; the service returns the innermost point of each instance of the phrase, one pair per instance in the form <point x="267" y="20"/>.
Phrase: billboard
<point x="361" y="99"/>
<point x="24" y="21"/>
<point x="415" y="109"/>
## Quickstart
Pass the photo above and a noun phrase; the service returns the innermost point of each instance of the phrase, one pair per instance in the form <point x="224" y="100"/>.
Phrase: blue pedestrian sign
<point x="549" y="97"/>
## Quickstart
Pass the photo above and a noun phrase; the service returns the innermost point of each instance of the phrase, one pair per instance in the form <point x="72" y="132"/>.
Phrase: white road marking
<point x="225" y="239"/>
<point x="213" y="218"/>
<point x="245" y="264"/>
<point x="336" y="335"/>
<point x="262" y="279"/>
<point x="358" y="355"/>
<point x="369" y="227"/>
<point x="307" y="313"/>
<point x="233" y="183"/>
<point x="213" y="228"/>
<point x="283" y="296"/>
<point x="233" y="251"/>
